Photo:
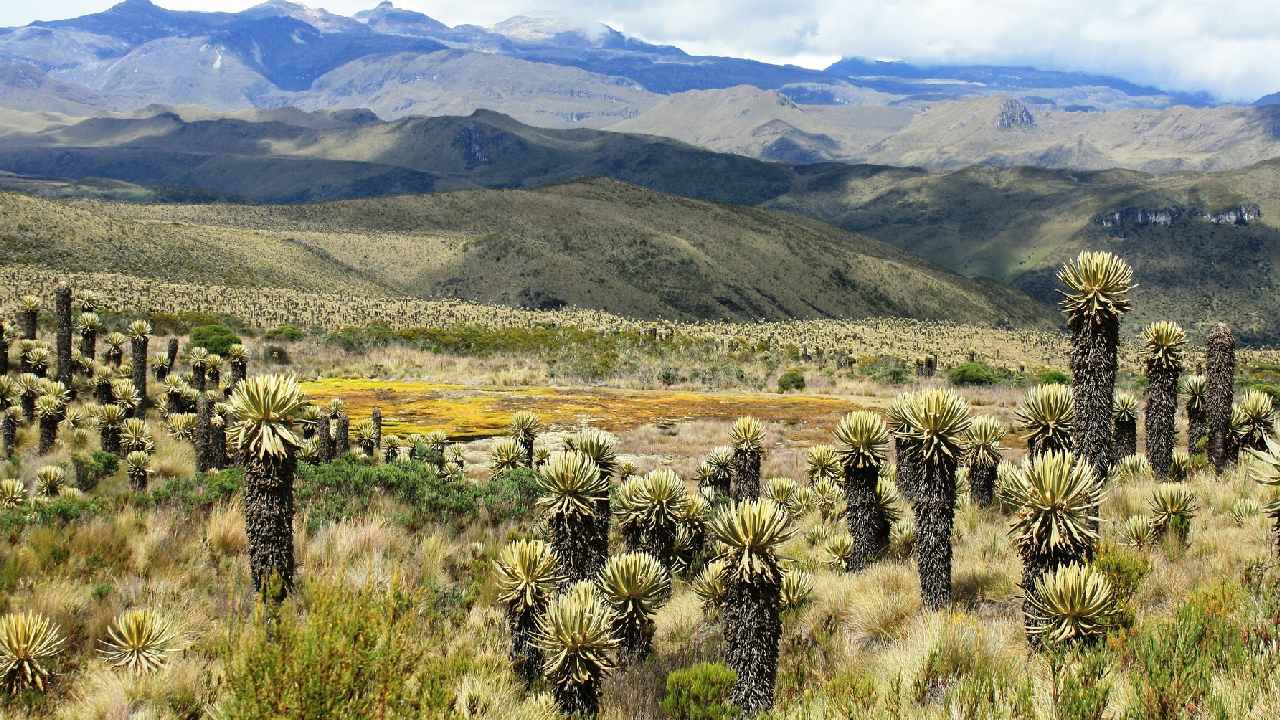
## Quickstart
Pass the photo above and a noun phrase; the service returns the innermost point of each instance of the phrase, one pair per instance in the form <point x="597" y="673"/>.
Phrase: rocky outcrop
<point x="1239" y="215"/>
<point x="1014" y="115"/>
<point x="1132" y="217"/>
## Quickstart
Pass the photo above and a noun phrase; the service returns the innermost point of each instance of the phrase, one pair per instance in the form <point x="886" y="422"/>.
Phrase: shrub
<point x="1175" y="660"/>
<point x="700" y="692"/>
<point x="54" y="511"/>
<point x="973" y="373"/>
<point x="669" y="376"/>
<point x="217" y="339"/>
<point x="91" y="469"/>
<point x="200" y="490"/>
<point x="1053" y="377"/>
<point x="342" y="490"/>
<point x="1084" y="686"/>
<point x="509" y="495"/>
<point x="1124" y="569"/>
<point x="366" y="653"/>
<point x="286" y="333"/>
<point x="790" y="380"/>
<point x="276" y="355"/>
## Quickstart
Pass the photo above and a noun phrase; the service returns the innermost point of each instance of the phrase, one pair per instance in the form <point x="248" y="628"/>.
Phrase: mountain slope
<point x="996" y="130"/>
<point x="601" y="244"/>
<point x="455" y="82"/>
<point x="1018" y="225"/>
<point x="484" y="149"/>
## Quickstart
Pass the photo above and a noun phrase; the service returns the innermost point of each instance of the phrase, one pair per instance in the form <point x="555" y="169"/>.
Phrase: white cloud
<point x="1225" y="46"/>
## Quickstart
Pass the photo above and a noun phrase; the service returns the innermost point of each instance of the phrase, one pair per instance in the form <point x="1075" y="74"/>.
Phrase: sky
<point x="1227" y="47"/>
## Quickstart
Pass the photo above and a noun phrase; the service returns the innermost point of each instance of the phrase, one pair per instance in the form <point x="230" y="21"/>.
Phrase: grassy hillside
<point x="1018" y="225"/>
<point x="601" y="244"/>
<point x="278" y="161"/>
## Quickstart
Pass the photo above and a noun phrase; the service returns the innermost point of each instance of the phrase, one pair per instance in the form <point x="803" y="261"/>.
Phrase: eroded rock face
<point x="1131" y="217"/>
<point x="1014" y="115"/>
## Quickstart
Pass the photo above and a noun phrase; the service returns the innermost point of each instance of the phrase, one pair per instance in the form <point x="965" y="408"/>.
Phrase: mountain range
<point x="740" y="189"/>
<point x="597" y="244"/>
<point x="1204" y="243"/>
<point x="553" y="73"/>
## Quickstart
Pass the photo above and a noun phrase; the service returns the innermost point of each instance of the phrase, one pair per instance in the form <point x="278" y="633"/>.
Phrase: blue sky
<point x="1228" y="47"/>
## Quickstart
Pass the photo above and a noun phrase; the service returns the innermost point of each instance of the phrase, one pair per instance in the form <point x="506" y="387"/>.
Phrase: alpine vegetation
<point x="936" y="423"/>
<point x="750" y="533"/>
<point x="140" y="640"/>
<point x="1265" y="469"/>
<point x="28" y="642"/>
<point x="634" y="585"/>
<point x="571" y="490"/>
<point x="983" y="452"/>
<point x="747" y="440"/>
<point x="1195" y="387"/>
<point x="263" y="409"/>
<point x="1162" y="350"/>
<point x="528" y="578"/>
<point x="1173" y="507"/>
<point x="648" y="510"/>
<point x="862" y="439"/>
<point x="1219" y="395"/>
<point x="575" y="636"/>
<point x="1256" y="422"/>
<point x="1074" y="604"/>
<point x="601" y="448"/>
<point x="524" y="429"/>
<point x="1057" y="496"/>
<point x="1095" y="299"/>
<point x="1125" y="418"/>
<point x="1048" y="416"/>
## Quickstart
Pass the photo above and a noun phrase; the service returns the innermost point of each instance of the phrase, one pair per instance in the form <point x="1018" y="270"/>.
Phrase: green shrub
<point x="1084" y="686"/>
<point x="217" y="339"/>
<point x="198" y="491"/>
<point x="973" y="373"/>
<point x="276" y="355"/>
<point x="1124" y="568"/>
<point x="92" y="468"/>
<point x="54" y="511"/>
<point x="355" y="653"/>
<point x="286" y="333"/>
<point x="1053" y="377"/>
<point x="509" y="495"/>
<point x="1174" y="661"/>
<point x="988" y="694"/>
<point x="853" y="692"/>
<point x="344" y="489"/>
<point x="790" y="380"/>
<point x="700" y="692"/>
<point x="885" y="370"/>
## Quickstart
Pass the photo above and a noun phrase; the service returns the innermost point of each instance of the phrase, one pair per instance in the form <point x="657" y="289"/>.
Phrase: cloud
<point x="1225" y="46"/>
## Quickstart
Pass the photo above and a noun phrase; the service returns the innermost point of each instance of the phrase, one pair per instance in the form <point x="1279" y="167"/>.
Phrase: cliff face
<point x="1142" y="217"/>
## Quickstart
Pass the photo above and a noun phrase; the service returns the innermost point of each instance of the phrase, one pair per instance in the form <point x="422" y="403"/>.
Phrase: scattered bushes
<point x="92" y="468"/>
<point x="1053" y="377"/>
<point x="973" y="373"/>
<point x="285" y="333"/>
<point x="791" y="380"/>
<point x="1173" y="662"/>
<point x="1124" y="569"/>
<point x="342" y="490"/>
<point x="391" y="645"/>
<point x="700" y="692"/>
<point x="217" y="338"/>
